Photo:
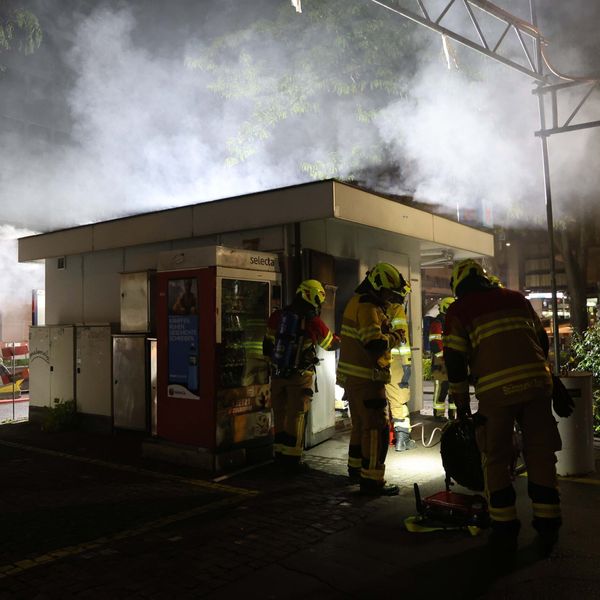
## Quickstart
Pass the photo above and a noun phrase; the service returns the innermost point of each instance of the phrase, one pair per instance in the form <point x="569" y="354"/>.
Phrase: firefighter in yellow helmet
<point x="398" y="390"/>
<point x="438" y="368"/>
<point x="494" y="336"/>
<point x="292" y="334"/>
<point x="364" y="370"/>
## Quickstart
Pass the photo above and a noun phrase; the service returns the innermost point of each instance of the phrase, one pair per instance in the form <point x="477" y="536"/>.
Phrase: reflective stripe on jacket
<point x="363" y="322"/>
<point x="499" y="333"/>
<point x="436" y="329"/>
<point x="398" y="322"/>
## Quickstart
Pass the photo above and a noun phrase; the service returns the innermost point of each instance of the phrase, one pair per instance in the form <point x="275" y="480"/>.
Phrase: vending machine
<point x="213" y="381"/>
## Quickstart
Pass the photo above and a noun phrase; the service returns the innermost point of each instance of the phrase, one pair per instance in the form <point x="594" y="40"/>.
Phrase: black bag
<point x="460" y="455"/>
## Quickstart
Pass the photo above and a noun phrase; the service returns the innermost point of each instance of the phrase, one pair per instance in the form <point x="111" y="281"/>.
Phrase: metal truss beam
<point x="565" y="124"/>
<point x="495" y="47"/>
<point x="482" y="41"/>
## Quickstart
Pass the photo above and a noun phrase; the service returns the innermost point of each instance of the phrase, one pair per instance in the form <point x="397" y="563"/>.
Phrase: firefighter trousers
<point x="290" y="399"/>
<point x="398" y="395"/>
<point x="540" y="442"/>
<point x="369" y="438"/>
<point x="440" y="395"/>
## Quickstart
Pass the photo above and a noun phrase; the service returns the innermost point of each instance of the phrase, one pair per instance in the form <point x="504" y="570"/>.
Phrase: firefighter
<point x="364" y="370"/>
<point x="494" y="335"/>
<point x="292" y="334"/>
<point x="438" y="368"/>
<point x="398" y="390"/>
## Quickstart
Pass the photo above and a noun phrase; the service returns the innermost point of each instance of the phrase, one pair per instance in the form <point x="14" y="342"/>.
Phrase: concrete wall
<point x="87" y="290"/>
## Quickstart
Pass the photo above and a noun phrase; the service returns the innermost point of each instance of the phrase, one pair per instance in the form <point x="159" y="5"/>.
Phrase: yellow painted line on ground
<point x="572" y="479"/>
<point x="95" y="545"/>
<point x="215" y="487"/>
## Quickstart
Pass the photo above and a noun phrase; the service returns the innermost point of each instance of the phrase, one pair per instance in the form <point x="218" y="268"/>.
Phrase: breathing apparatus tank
<point x="286" y="342"/>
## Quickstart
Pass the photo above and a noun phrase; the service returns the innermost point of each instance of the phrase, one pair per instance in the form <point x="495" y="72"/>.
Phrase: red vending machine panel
<point x="186" y="356"/>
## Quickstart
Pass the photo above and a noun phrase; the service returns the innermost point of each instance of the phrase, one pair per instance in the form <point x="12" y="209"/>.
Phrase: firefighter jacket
<point x="312" y="332"/>
<point x="436" y="329"/>
<point x="399" y="323"/>
<point x="365" y="327"/>
<point x="498" y="336"/>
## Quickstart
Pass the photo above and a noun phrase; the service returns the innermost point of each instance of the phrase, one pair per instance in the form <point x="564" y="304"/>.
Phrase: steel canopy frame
<point x="485" y="45"/>
<point x="549" y="82"/>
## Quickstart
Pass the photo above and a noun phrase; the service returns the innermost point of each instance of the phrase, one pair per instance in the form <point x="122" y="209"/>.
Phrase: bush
<point x="427" y="369"/>
<point x="585" y="356"/>
<point x="60" y="417"/>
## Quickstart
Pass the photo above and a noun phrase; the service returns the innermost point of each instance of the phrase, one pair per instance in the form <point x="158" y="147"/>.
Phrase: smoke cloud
<point x="149" y="132"/>
<point x="143" y="130"/>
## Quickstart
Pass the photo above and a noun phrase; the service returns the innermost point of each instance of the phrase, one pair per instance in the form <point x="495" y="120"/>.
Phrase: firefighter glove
<point x="562" y="403"/>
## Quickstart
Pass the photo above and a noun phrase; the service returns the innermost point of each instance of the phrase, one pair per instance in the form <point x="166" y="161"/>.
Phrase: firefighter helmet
<point x="460" y="454"/>
<point x="462" y="269"/>
<point x="312" y="291"/>
<point x="495" y="281"/>
<point x="384" y="276"/>
<point x="444" y="303"/>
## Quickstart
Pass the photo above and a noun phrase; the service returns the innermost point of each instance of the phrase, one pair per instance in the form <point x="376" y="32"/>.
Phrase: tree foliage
<point x="20" y="29"/>
<point x="578" y="231"/>
<point x="586" y="357"/>
<point x="288" y="67"/>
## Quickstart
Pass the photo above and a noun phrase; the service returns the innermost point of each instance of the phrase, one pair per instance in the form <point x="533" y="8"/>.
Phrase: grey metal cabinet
<point x="134" y="383"/>
<point x="93" y="363"/>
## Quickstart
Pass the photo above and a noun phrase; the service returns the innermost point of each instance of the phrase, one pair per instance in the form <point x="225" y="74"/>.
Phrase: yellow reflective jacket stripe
<point x="326" y="341"/>
<point x="498" y="326"/>
<point x="505" y="381"/>
<point x="511" y="371"/>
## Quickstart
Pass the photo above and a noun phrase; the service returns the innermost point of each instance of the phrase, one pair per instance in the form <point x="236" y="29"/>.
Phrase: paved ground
<point x="84" y="516"/>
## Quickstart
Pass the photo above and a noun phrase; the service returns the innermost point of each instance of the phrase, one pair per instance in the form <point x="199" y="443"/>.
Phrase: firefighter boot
<point x="403" y="441"/>
<point x="385" y="489"/>
<point x="547" y="530"/>
<point x="504" y="536"/>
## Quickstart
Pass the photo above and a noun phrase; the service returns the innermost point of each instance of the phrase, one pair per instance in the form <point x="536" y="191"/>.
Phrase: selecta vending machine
<point x="213" y="381"/>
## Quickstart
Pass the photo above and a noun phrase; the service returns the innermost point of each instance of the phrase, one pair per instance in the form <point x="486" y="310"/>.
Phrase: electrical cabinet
<point x="93" y="369"/>
<point x="51" y="365"/>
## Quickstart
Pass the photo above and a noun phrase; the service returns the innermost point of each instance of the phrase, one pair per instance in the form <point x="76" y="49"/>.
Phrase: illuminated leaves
<point x="289" y="67"/>
<point x="19" y="30"/>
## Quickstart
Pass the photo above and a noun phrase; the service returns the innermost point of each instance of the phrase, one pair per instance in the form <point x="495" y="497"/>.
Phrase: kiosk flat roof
<point x="328" y="199"/>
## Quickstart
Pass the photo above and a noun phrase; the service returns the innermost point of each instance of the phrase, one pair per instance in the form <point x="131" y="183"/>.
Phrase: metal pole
<point x="13" y="380"/>
<point x="548" y="192"/>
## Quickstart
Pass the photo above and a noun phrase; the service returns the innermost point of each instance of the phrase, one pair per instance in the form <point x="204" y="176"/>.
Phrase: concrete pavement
<point x="85" y="516"/>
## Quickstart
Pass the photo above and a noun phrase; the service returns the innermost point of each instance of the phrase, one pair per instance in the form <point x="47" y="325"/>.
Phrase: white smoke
<point x="148" y="132"/>
<point x="18" y="282"/>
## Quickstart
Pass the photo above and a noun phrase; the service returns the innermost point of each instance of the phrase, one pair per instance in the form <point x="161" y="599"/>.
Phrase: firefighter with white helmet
<point x="292" y="334"/>
<point x="438" y="368"/>
<point x="494" y="338"/>
<point x="364" y="370"/>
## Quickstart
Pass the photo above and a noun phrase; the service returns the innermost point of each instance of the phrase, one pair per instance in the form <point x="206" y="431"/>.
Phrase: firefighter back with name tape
<point x="438" y="367"/>
<point x="398" y="390"/>
<point x="493" y="335"/>
<point x="290" y="340"/>
<point x="364" y="370"/>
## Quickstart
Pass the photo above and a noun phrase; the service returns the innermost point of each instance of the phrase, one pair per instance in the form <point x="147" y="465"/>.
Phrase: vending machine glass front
<point x="244" y="314"/>
<point x="243" y="399"/>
